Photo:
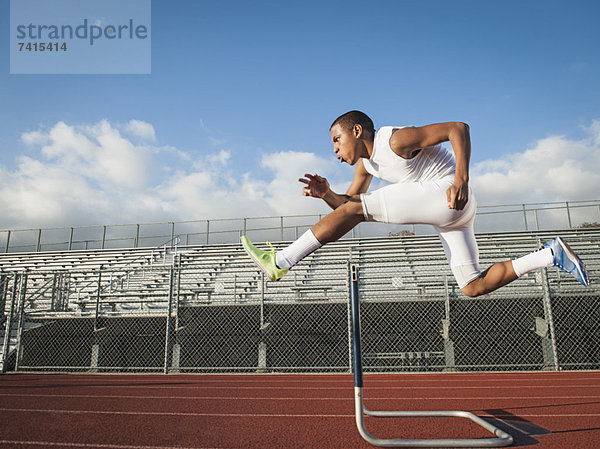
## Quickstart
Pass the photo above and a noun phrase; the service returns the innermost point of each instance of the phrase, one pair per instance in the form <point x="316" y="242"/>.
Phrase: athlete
<point x="430" y="185"/>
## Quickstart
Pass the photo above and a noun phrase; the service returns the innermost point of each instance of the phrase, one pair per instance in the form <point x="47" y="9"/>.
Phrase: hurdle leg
<point x="501" y="438"/>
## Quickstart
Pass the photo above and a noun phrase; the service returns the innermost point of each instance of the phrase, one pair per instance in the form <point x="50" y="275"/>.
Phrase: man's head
<point x="349" y="119"/>
<point x="349" y="133"/>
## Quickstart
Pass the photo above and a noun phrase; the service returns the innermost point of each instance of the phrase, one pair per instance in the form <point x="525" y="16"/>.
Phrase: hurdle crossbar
<point x="502" y="438"/>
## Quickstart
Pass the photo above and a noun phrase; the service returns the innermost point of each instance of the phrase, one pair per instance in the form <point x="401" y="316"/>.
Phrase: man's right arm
<point x="360" y="184"/>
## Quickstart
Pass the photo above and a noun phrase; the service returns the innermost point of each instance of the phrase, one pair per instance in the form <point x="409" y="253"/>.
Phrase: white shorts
<point x="426" y="203"/>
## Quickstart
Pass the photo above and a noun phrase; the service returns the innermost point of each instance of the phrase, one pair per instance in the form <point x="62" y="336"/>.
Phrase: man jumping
<point x="430" y="185"/>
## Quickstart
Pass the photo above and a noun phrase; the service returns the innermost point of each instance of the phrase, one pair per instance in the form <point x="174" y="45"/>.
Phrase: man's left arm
<point x="405" y="140"/>
<point x="458" y="193"/>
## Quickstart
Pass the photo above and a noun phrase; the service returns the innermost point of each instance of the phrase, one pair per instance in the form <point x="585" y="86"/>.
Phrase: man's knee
<point x="474" y="288"/>
<point x="353" y="206"/>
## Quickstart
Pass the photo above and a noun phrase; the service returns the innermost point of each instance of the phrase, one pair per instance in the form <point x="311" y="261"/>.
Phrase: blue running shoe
<point x="566" y="259"/>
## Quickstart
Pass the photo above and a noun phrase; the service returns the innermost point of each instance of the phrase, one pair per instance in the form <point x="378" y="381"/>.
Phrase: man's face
<point x="344" y="144"/>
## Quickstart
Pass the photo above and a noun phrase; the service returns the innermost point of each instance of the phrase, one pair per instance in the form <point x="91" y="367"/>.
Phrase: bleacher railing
<point x="497" y="218"/>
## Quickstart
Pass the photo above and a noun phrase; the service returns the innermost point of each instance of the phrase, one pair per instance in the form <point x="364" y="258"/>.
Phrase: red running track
<point x="542" y="410"/>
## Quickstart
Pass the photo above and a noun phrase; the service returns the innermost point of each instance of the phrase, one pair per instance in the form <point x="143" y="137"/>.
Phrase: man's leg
<point x="496" y="276"/>
<point x="462" y="253"/>
<point x="401" y="203"/>
<point x="339" y="222"/>
<point x="554" y="253"/>
<point x="329" y="229"/>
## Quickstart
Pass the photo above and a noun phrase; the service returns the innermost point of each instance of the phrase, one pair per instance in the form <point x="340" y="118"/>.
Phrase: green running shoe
<point x="265" y="260"/>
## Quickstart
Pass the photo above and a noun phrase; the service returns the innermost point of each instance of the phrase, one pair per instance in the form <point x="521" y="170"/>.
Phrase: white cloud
<point x="34" y="138"/>
<point x="594" y="131"/>
<point x="98" y="153"/>
<point x="92" y="174"/>
<point x="554" y="169"/>
<point x="219" y="158"/>
<point x="40" y="194"/>
<point x="141" y="129"/>
<point x="80" y="175"/>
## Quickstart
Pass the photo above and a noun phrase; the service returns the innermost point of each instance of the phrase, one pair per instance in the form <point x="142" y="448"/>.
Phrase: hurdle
<point x="502" y="438"/>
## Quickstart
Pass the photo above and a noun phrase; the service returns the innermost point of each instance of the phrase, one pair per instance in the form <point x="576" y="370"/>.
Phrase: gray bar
<point x="21" y="318"/>
<point x="71" y="240"/>
<point x="8" y="326"/>
<point x="8" y="238"/>
<point x="168" y="323"/>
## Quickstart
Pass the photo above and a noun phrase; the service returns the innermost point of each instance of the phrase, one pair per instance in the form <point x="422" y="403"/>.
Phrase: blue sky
<point x="241" y="93"/>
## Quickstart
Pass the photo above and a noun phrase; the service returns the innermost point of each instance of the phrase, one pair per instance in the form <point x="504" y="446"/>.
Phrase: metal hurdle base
<point x="502" y="438"/>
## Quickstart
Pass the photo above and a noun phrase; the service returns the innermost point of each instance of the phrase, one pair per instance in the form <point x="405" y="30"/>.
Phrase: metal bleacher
<point x="409" y="266"/>
<point x="142" y="283"/>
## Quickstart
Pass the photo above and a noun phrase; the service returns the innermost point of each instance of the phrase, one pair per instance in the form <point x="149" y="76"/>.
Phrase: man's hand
<point x="458" y="195"/>
<point x="316" y="186"/>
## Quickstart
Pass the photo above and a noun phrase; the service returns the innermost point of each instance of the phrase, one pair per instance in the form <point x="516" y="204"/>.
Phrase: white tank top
<point x="429" y="164"/>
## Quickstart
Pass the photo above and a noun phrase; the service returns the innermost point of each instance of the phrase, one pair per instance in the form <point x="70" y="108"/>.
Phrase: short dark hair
<point x="351" y="118"/>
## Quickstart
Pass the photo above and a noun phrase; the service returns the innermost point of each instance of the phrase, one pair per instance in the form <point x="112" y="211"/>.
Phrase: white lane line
<point x="260" y="415"/>
<point x="236" y="415"/>
<point x="270" y="387"/>
<point x="98" y="445"/>
<point x="261" y="398"/>
<point x="557" y="377"/>
<point x="308" y="382"/>
<point x="431" y="376"/>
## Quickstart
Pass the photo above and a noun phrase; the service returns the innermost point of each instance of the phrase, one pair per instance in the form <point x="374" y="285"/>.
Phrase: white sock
<point x="537" y="259"/>
<point x="290" y="256"/>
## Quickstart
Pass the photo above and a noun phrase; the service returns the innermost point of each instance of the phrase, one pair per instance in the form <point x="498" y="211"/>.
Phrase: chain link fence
<point x="213" y="312"/>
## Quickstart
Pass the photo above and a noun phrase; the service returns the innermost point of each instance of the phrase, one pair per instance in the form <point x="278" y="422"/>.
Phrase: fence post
<point x="281" y="221"/>
<point x="96" y="347"/>
<point x="39" y="241"/>
<point x="168" y="320"/>
<point x="103" y="236"/>
<point x="172" y="233"/>
<point x="21" y="319"/>
<point x="71" y="239"/>
<point x="175" y="358"/>
<point x="136" y="243"/>
<point x="569" y="215"/>
<point x="207" y="230"/>
<point x="235" y="287"/>
<point x="550" y="352"/>
<point x="54" y="300"/>
<point x="3" y="293"/>
<point x="262" y="345"/>
<point x="525" y="217"/>
<point x="99" y="291"/>
<point x="8" y="238"/>
<point x="448" y="343"/>
<point x="8" y="326"/>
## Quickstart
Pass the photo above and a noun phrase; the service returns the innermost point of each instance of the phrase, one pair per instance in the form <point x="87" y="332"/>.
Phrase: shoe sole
<point x="575" y="259"/>
<point x="256" y="262"/>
